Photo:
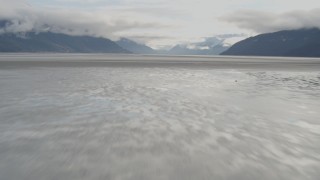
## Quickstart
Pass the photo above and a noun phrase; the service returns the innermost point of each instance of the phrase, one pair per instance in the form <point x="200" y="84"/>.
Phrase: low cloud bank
<point x="19" y="17"/>
<point x="262" y="22"/>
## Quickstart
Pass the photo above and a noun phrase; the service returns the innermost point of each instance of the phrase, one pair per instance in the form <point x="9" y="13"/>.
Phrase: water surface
<point x="158" y="122"/>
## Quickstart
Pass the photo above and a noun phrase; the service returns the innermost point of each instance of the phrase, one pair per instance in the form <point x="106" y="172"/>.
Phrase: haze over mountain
<point x="57" y="42"/>
<point x="302" y="43"/>
<point x="135" y="47"/>
<point x="208" y="46"/>
<point x="54" y="42"/>
<point x="185" y="50"/>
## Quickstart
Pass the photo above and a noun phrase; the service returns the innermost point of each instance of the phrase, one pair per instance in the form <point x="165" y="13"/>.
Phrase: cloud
<point x="261" y="22"/>
<point x="21" y="17"/>
<point x="176" y="22"/>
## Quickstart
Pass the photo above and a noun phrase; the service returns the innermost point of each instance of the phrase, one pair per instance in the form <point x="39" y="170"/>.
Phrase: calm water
<point x="156" y="123"/>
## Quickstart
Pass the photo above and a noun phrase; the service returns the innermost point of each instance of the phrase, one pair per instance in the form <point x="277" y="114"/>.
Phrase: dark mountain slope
<point x="53" y="42"/>
<point x="135" y="47"/>
<point x="301" y="43"/>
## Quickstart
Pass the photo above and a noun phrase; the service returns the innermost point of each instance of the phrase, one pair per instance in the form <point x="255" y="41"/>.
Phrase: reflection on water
<point x="157" y="123"/>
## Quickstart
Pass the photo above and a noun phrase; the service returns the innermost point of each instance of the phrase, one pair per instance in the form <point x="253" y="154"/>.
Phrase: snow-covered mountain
<point x="209" y="46"/>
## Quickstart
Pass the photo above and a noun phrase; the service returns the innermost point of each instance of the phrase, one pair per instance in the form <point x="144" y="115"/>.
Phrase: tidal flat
<point x="135" y="117"/>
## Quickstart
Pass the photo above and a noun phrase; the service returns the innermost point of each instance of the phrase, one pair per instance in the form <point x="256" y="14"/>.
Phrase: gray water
<point x="127" y="122"/>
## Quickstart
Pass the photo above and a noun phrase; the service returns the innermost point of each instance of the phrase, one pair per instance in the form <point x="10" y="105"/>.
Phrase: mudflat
<point x="98" y="116"/>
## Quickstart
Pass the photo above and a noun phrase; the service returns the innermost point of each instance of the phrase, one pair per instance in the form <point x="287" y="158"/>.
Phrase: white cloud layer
<point x="23" y="18"/>
<point x="261" y="22"/>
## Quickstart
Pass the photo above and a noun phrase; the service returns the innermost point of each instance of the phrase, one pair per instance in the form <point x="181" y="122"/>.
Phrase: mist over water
<point x="154" y="123"/>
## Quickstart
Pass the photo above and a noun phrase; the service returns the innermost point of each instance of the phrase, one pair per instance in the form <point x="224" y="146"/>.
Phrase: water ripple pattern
<point x="93" y="123"/>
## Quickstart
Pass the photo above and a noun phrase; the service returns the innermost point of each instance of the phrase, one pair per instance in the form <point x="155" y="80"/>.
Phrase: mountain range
<point x="55" y="42"/>
<point x="185" y="50"/>
<point x="135" y="47"/>
<point x="294" y="43"/>
<point x="209" y="46"/>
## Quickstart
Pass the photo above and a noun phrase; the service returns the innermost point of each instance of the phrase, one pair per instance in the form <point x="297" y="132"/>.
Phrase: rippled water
<point x="158" y="124"/>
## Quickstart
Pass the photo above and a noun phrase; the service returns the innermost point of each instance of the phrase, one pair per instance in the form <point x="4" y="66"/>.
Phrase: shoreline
<point x="150" y="61"/>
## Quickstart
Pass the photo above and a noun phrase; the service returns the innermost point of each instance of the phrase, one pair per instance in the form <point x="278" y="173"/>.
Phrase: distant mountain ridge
<point x="184" y="50"/>
<point x="55" y="42"/>
<point x="135" y="47"/>
<point x="58" y="42"/>
<point x="210" y="46"/>
<point x="295" y="43"/>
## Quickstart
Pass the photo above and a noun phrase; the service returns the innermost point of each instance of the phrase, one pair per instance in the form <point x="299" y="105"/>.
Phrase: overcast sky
<point x="160" y="23"/>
